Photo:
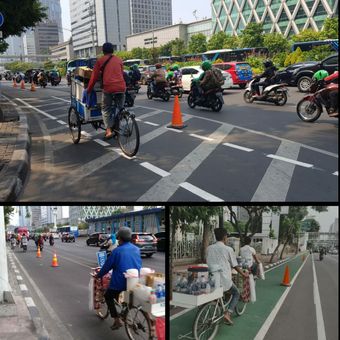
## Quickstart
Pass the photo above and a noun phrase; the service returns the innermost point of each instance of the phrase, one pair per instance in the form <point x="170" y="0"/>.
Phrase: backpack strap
<point x="102" y="69"/>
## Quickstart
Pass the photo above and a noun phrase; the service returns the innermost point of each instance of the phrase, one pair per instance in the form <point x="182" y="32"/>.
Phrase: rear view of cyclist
<point x="125" y="256"/>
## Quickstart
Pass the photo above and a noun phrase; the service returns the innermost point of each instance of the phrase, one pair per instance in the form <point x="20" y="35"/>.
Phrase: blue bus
<point x="239" y="54"/>
<point x="308" y="45"/>
<point x="69" y="229"/>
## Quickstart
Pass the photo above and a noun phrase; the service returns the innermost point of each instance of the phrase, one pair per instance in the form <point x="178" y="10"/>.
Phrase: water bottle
<point x="164" y="292"/>
<point x="184" y="284"/>
<point x="159" y="293"/>
<point x="207" y="288"/>
<point x="178" y="283"/>
<point x="153" y="298"/>
<point x="203" y="285"/>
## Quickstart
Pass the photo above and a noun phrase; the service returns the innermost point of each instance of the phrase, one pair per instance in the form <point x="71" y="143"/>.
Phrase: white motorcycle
<point x="276" y="93"/>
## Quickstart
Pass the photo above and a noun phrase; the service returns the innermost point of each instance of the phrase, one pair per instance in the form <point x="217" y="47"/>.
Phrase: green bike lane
<point x="245" y="327"/>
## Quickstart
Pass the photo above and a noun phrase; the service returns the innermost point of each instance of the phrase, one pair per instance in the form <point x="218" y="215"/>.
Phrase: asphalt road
<point x="61" y="294"/>
<point x="297" y="317"/>
<point x="225" y="156"/>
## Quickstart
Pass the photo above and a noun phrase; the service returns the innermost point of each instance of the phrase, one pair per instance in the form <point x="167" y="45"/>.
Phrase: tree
<point x="8" y="212"/>
<point x="198" y="43"/>
<point x="20" y="18"/>
<point x="139" y="53"/>
<point x="178" y="47"/>
<point x="125" y="55"/>
<point x="83" y="226"/>
<point x="231" y="41"/>
<point x="310" y="225"/>
<point x="165" y="50"/>
<point x="276" y="43"/>
<point x="306" y="35"/>
<point x="330" y="29"/>
<point x="48" y="65"/>
<point x="252" y="35"/>
<point x="153" y="54"/>
<point x="217" y="41"/>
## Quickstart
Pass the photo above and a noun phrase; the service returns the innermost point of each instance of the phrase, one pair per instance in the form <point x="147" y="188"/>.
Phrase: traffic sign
<point x="101" y="258"/>
<point x="2" y="19"/>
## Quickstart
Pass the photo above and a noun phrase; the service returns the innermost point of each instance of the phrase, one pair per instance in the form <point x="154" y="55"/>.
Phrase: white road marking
<point x="19" y="278"/>
<point x="201" y="137"/>
<point x="234" y="146"/>
<point x="150" y="123"/>
<point x="266" y="325"/>
<point x="201" y="193"/>
<point x="23" y="287"/>
<point x="155" y="169"/>
<point x="29" y="302"/>
<point x="16" y="271"/>
<point x="284" y="159"/>
<point x="101" y="142"/>
<point x="335" y="173"/>
<point x="86" y="134"/>
<point x="138" y="120"/>
<point x="61" y="122"/>
<point x="174" y="130"/>
<point x="32" y="107"/>
<point x="64" y="100"/>
<point x="320" y="325"/>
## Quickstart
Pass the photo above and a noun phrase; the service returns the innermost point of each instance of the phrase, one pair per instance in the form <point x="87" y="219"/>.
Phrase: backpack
<point x="218" y="76"/>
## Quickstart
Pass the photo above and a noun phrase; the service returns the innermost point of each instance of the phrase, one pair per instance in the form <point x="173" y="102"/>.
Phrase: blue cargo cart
<point x="125" y="126"/>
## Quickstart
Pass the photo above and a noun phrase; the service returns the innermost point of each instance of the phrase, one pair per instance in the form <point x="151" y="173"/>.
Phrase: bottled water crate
<point x="189" y="301"/>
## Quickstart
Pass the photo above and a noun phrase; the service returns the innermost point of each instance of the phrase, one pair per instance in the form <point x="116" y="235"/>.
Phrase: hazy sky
<point x="181" y="9"/>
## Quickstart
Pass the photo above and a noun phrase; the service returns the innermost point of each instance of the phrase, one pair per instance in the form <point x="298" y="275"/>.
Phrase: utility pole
<point x="4" y="285"/>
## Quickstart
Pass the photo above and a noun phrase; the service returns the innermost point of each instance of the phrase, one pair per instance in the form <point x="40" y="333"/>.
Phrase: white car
<point x="191" y="72"/>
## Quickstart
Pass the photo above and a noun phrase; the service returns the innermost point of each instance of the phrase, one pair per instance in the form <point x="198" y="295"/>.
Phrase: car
<point x="68" y="237"/>
<point x="302" y="75"/>
<point x="146" y="242"/>
<point x="333" y="251"/>
<point x="191" y="72"/>
<point x="241" y="72"/>
<point x="161" y="240"/>
<point x="55" y="235"/>
<point x="146" y="72"/>
<point x="96" y="239"/>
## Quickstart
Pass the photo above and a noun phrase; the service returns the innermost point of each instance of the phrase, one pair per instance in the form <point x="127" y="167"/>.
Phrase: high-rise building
<point x="287" y="17"/>
<point x="149" y="14"/>
<point x="94" y="22"/>
<point x="35" y="212"/>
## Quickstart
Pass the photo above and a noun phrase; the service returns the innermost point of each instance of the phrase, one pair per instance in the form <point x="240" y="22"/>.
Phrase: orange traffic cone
<point x="38" y="252"/>
<point x="22" y="85"/>
<point x="285" y="281"/>
<point x="32" y="86"/>
<point x="14" y="83"/>
<point x="55" y="261"/>
<point x="177" y="122"/>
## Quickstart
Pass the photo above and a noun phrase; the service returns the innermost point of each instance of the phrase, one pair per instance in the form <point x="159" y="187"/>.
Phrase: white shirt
<point x="247" y="252"/>
<point x="224" y="256"/>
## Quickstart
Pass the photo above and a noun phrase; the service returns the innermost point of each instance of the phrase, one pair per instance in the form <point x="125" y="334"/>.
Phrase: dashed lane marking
<point x="23" y="287"/>
<point x="335" y="173"/>
<point x="201" y="137"/>
<point x="174" y="130"/>
<point x="62" y="99"/>
<point x="150" y="123"/>
<point x="101" y="142"/>
<point x="284" y="159"/>
<point x="29" y="302"/>
<point x="61" y="122"/>
<point x="33" y="108"/>
<point x="19" y="278"/>
<point x="234" y="146"/>
<point x="155" y="169"/>
<point x="200" y="193"/>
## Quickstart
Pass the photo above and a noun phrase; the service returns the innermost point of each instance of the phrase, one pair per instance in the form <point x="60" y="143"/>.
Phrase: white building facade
<point x="62" y="51"/>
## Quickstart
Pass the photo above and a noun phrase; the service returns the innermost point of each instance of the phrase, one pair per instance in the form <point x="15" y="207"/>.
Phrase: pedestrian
<point x="110" y="68"/>
<point x="224" y="256"/>
<point x="125" y="256"/>
<point x="249" y="257"/>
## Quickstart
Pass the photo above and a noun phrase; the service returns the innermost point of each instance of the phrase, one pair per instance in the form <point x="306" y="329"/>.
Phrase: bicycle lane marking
<point x="246" y="327"/>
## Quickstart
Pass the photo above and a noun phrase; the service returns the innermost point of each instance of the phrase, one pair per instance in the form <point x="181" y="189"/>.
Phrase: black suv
<point x="146" y="242"/>
<point x="161" y="239"/>
<point x="96" y="239"/>
<point x="302" y="76"/>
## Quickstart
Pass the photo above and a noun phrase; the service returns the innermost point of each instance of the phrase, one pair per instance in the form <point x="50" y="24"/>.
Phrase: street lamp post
<point x="4" y="285"/>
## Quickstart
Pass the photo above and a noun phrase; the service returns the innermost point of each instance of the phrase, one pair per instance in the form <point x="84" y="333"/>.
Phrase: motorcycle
<point x="105" y="247"/>
<point x="212" y="99"/>
<point x="160" y="91"/>
<point x="130" y="95"/>
<point x="321" y="257"/>
<point x="51" y="242"/>
<point x="310" y="107"/>
<point x="276" y="93"/>
<point x="55" y="81"/>
<point x="136" y="87"/>
<point x="176" y="89"/>
<point x="42" y="81"/>
<point x="13" y="243"/>
<point x="24" y="246"/>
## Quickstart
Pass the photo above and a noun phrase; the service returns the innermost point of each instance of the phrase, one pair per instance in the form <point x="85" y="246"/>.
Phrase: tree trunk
<point x="274" y="252"/>
<point x="284" y="246"/>
<point x="205" y="240"/>
<point x="220" y="220"/>
<point x="172" y="244"/>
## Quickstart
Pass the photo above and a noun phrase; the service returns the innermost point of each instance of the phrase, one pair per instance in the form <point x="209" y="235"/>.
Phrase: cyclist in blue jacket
<point x="125" y="256"/>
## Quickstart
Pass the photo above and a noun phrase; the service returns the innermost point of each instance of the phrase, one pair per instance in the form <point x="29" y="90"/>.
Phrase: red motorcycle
<point x="310" y="107"/>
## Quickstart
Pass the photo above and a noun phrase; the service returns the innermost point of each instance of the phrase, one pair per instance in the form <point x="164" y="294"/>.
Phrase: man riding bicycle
<point x="224" y="256"/>
<point x="111" y="69"/>
<point x="125" y="256"/>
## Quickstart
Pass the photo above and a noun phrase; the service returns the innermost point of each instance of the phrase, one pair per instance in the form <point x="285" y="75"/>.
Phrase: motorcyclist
<point x="170" y="76"/>
<point x="321" y="254"/>
<point x="268" y="74"/>
<point x="134" y="74"/>
<point x="333" y="95"/>
<point x="42" y="77"/>
<point x="54" y="75"/>
<point x="13" y="241"/>
<point x="51" y="239"/>
<point x="158" y="78"/>
<point x="177" y="73"/>
<point x="205" y="81"/>
<point x="40" y="242"/>
<point x="110" y="243"/>
<point x="23" y="240"/>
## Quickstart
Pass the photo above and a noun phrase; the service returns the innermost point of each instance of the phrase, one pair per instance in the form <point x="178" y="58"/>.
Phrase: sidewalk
<point x="245" y="327"/>
<point x="14" y="150"/>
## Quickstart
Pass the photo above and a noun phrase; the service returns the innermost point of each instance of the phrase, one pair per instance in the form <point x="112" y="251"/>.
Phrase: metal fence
<point x="187" y="249"/>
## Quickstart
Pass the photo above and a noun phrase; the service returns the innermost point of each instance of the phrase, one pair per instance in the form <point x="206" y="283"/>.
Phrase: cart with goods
<point x="87" y="109"/>
<point x="200" y="287"/>
<point x="141" y="306"/>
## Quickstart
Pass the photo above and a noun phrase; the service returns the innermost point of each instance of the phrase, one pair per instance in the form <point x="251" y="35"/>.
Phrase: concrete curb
<point x="276" y="263"/>
<point x="40" y="329"/>
<point x="16" y="171"/>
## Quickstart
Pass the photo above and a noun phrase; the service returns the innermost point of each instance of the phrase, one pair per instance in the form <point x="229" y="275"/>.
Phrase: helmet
<point x="175" y="67"/>
<point x="321" y="74"/>
<point x="170" y="74"/>
<point x="206" y="65"/>
<point x="268" y="63"/>
<point x="134" y="67"/>
<point x="107" y="48"/>
<point x="158" y="66"/>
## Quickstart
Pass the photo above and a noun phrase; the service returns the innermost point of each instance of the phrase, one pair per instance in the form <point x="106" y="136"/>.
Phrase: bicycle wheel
<point x="128" y="135"/>
<point x="103" y="311"/>
<point x="240" y="307"/>
<point x="204" y="327"/>
<point x="137" y="324"/>
<point x="74" y="124"/>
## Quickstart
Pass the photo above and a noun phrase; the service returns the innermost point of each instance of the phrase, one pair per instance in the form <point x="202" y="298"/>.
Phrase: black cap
<point x="107" y="48"/>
